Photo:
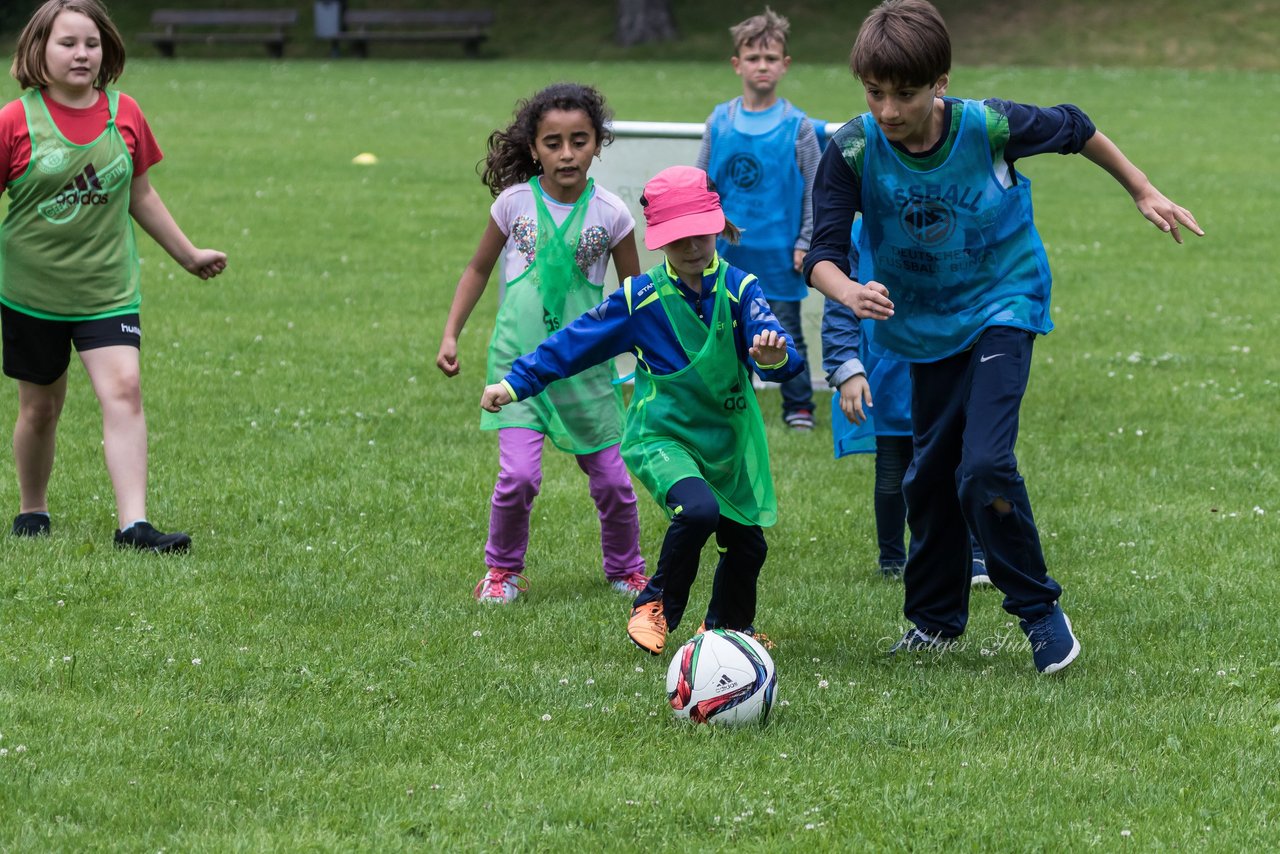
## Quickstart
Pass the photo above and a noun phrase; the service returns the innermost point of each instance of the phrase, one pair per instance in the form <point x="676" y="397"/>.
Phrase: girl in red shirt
<point x="74" y="157"/>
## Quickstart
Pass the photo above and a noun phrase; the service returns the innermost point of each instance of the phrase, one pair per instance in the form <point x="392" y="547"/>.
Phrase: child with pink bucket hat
<point x="693" y="436"/>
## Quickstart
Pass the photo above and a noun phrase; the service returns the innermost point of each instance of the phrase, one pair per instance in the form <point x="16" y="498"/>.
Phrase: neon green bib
<point x="579" y="414"/>
<point x="67" y="248"/>
<point x="703" y="420"/>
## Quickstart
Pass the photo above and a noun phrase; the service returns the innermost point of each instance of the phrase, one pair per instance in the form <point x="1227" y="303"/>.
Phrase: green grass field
<point x="316" y="676"/>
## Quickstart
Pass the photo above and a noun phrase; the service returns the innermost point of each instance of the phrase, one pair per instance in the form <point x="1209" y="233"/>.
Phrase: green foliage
<point x="316" y="676"/>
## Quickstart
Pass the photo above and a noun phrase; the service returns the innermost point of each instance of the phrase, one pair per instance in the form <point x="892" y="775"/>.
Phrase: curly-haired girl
<point x="556" y="231"/>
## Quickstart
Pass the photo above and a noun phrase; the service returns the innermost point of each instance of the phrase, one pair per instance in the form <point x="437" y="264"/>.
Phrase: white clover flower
<point x="476" y="633"/>
<point x="197" y="662"/>
<point x="546" y="717"/>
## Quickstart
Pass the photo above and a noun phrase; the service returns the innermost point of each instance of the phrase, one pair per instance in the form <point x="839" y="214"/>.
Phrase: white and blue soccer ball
<point x="722" y="677"/>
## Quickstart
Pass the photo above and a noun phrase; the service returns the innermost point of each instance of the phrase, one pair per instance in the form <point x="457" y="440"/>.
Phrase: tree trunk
<point x="642" y="21"/>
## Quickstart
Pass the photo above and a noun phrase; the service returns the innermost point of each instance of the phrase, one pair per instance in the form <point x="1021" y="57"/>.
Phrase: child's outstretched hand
<point x="206" y="263"/>
<point x="768" y="348"/>
<point x="494" y="397"/>
<point x="854" y="392"/>
<point x="1166" y="215"/>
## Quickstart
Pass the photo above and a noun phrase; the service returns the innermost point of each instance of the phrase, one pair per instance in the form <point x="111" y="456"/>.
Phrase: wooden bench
<point x="361" y="26"/>
<point x="216" y="26"/>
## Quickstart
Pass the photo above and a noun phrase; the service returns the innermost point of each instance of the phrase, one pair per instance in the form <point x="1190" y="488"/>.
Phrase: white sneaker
<point x="500" y="587"/>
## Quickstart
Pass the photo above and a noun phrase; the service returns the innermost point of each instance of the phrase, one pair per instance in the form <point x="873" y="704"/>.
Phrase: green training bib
<point x="703" y="420"/>
<point x="67" y="250"/>
<point x="579" y="414"/>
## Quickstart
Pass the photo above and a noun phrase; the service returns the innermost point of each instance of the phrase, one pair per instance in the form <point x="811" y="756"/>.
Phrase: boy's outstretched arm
<point x="1163" y="212"/>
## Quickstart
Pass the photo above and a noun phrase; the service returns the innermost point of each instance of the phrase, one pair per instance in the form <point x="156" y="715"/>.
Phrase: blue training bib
<point x="761" y="190"/>
<point x="958" y="251"/>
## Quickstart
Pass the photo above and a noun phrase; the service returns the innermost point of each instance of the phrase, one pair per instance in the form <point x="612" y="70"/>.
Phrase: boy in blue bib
<point x="761" y="153"/>
<point x="948" y="230"/>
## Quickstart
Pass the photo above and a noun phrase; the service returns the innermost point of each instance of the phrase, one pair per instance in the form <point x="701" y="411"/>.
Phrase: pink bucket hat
<point x="678" y="204"/>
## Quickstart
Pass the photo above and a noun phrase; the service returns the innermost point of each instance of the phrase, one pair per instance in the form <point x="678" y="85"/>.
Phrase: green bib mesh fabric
<point x="701" y="421"/>
<point x="579" y="414"/>
<point x="67" y="248"/>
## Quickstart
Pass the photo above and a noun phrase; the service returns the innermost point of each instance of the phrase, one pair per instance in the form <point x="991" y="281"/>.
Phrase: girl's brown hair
<point x="510" y="160"/>
<point x="29" y="67"/>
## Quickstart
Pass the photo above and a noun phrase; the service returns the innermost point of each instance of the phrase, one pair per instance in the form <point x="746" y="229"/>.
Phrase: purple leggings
<point x="520" y="478"/>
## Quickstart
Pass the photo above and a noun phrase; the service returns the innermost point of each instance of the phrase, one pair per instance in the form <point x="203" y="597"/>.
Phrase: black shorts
<point x="38" y="350"/>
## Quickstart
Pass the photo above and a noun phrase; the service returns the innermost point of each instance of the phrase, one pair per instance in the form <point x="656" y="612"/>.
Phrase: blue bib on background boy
<point x="958" y="251"/>
<point x="744" y="168"/>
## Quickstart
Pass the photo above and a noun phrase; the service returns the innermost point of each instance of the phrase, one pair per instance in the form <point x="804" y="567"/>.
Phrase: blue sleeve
<point x="842" y="331"/>
<point x="837" y="198"/>
<point x="755" y="316"/>
<point x="596" y="336"/>
<point x="841" y="343"/>
<point x="1063" y="129"/>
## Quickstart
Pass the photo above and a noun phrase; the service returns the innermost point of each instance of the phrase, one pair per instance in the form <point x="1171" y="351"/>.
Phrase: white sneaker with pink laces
<point x="631" y="584"/>
<point x="500" y="586"/>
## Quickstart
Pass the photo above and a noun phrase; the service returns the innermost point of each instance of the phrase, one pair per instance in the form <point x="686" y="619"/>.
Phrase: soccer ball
<point x="722" y="677"/>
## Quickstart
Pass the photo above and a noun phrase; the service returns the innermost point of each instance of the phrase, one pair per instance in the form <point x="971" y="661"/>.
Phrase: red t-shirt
<point x="80" y="127"/>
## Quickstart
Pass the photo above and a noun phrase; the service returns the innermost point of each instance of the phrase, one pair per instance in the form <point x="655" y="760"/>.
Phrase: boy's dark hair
<point x="904" y="42"/>
<point x="510" y="158"/>
<point x="761" y="29"/>
<point x="29" y="67"/>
